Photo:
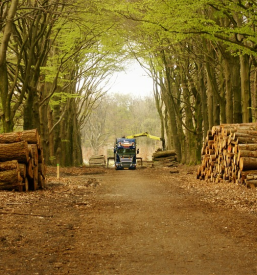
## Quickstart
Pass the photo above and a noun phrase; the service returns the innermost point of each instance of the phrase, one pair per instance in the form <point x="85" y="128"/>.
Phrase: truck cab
<point x="125" y="153"/>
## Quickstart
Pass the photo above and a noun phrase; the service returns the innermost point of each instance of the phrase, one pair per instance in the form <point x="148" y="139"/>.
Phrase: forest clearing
<point x="147" y="221"/>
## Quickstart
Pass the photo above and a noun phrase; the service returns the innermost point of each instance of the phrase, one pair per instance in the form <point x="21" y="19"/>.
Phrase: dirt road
<point x="123" y="222"/>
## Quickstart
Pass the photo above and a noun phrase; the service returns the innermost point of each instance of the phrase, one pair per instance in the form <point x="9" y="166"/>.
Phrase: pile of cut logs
<point x="97" y="160"/>
<point x="229" y="154"/>
<point x="21" y="161"/>
<point x="164" y="158"/>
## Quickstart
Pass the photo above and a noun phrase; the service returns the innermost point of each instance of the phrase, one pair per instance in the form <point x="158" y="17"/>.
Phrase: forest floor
<point x="147" y="221"/>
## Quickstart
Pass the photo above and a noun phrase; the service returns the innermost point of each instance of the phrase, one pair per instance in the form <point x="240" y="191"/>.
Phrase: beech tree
<point x="205" y="51"/>
<point x="54" y="54"/>
<point x="8" y="10"/>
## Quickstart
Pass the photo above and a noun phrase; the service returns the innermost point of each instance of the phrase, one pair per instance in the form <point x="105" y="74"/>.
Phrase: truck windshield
<point x="127" y="152"/>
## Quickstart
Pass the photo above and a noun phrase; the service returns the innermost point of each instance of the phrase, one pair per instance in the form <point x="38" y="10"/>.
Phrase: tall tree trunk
<point x="190" y="144"/>
<point x="179" y="118"/>
<point x="236" y="86"/>
<point x="229" y="91"/>
<point x="255" y="94"/>
<point x="245" y="86"/>
<point x="202" y="89"/>
<point x="159" y="105"/>
<point x="198" y="120"/>
<point x="169" y="141"/>
<point x="214" y="99"/>
<point x="4" y="86"/>
<point x="46" y="124"/>
<point x="222" y="93"/>
<point x="171" y="108"/>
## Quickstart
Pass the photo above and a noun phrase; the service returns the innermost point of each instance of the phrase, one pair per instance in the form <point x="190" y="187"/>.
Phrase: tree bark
<point x="30" y="136"/>
<point x="15" y="151"/>
<point x="247" y="153"/>
<point x="161" y="154"/>
<point x="4" y="84"/>
<point x="9" y="165"/>
<point x="245" y="87"/>
<point x="10" y="177"/>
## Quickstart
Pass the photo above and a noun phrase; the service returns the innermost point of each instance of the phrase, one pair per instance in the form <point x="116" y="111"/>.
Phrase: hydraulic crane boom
<point x="145" y="134"/>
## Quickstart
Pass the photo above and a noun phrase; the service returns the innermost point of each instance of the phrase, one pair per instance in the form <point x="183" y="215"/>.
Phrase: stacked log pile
<point x="97" y="160"/>
<point x="229" y="154"/>
<point x="164" y="158"/>
<point x="21" y="161"/>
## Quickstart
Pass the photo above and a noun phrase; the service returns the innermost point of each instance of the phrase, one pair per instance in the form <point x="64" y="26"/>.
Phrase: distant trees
<point x="120" y="115"/>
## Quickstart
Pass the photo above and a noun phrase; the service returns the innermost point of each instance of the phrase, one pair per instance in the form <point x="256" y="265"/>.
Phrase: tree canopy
<point x="54" y="55"/>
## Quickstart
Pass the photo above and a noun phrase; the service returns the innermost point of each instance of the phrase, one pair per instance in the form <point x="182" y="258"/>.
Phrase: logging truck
<point x="125" y="151"/>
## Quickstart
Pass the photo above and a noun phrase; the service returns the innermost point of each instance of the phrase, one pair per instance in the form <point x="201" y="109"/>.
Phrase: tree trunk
<point x="214" y="100"/>
<point x="236" y="86"/>
<point x="245" y="86"/>
<point x="171" y="108"/>
<point x="255" y="94"/>
<point x="229" y="92"/>
<point x="4" y="84"/>
<point x="202" y="88"/>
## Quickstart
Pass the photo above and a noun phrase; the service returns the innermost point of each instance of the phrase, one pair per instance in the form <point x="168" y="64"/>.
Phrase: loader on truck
<point x="125" y="151"/>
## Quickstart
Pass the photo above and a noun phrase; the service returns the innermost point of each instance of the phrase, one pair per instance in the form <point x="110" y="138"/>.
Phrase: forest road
<point x="123" y="222"/>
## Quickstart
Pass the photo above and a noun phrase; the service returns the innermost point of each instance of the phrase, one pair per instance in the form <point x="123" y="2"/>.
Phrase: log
<point x="174" y="171"/>
<point x="251" y="177"/>
<point x="161" y="154"/>
<point x="26" y="185"/>
<point x="251" y="183"/>
<point x="42" y="169"/>
<point x="247" y="153"/>
<point x="247" y="125"/>
<point x="14" y="151"/>
<point x="9" y="165"/>
<point x="41" y="182"/>
<point x="33" y="183"/>
<point x="10" y="177"/>
<point x="250" y="147"/>
<point x="29" y="170"/>
<point x="18" y="186"/>
<point x="246" y="140"/>
<point x="244" y="133"/>
<point x="23" y="170"/>
<point x="30" y="136"/>
<point x="167" y="159"/>
<point x="247" y="163"/>
<point x="244" y="174"/>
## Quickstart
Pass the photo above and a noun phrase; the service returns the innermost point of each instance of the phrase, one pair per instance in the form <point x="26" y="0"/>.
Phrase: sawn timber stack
<point x="21" y="161"/>
<point x="229" y="154"/>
